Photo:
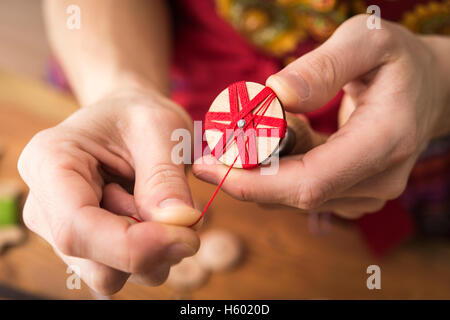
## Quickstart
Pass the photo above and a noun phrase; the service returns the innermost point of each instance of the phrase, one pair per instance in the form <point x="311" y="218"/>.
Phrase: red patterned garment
<point x="220" y="42"/>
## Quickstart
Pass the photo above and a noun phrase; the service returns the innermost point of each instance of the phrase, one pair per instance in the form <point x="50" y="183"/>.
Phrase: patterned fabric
<point x="278" y="27"/>
<point x="427" y="197"/>
<point x="431" y="18"/>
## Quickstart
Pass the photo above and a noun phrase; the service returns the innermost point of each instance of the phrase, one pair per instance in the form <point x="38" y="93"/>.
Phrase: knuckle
<point x="308" y="196"/>
<point x="61" y="160"/>
<point x="242" y="192"/>
<point x="324" y="66"/>
<point x="165" y="173"/>
<point x="63" y="156"/>
<point x="43" y="137"/>
<point x="383" y="38"/>
<point x="28" y="216"/>
<point x="165" y="177"/>
<point x="63" y="239"/>
<point x="29" y="155"/>
<point x="42" y="140"/>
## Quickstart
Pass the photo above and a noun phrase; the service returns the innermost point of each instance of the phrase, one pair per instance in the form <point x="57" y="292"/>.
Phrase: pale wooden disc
<point x="220" y="250"/>
<point x="187" y="275"/>
<point x="266" y="146"/>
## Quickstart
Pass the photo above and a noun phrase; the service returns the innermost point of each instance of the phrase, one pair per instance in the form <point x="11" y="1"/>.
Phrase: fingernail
<point x="179" y="250"/>
<point x="296" y="83"/>
<point x="173" y="203"/>
<point x="175" y="213"/>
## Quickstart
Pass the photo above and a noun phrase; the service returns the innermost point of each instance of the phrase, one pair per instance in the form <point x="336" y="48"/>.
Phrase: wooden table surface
<point x="286" y="258"/>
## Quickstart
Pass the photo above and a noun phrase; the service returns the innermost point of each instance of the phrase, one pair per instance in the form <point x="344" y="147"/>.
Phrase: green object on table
<point x="8" y="210"/>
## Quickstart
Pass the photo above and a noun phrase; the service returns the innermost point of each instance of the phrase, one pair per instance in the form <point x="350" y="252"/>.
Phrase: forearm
<point x="120" y="44"/>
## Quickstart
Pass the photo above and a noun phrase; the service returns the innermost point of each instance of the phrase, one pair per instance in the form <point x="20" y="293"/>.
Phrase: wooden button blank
<point x="266" y="146"/>
<point x="219" y="250"/>
<point x="189" y="274"/>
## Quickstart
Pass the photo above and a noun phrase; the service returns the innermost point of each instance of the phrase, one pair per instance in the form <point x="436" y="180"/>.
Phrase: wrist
<point x="131" y="91"/>
<point x="95" y="85"/>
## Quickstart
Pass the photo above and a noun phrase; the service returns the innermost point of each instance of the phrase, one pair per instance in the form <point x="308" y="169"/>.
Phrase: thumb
<point x="315" y="78"/>
<point x="161" y="189"/>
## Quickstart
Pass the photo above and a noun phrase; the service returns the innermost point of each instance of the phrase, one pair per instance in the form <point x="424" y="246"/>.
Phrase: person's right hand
<point x="396" y="100"/>
<point x="78" y="172"/>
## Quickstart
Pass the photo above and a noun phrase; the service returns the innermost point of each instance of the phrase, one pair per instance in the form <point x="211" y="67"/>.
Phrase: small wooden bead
<point x="219" y="250"/>
<point x="189" y="274"/>
<point x="10" y="236"/>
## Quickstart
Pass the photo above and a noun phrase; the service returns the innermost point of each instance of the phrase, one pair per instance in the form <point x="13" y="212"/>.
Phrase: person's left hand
<point x="396" y="95"/>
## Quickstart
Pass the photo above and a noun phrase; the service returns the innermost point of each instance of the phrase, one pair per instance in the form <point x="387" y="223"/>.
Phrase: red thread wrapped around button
<point x="245" y="123"/>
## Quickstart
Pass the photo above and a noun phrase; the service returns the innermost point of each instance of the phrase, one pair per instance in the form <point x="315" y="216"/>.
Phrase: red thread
<point x="136" y="219"/>
<point x="247" y="147"/>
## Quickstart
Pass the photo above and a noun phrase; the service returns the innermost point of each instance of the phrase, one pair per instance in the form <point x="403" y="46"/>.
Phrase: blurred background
<point x="281" y="254"/>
